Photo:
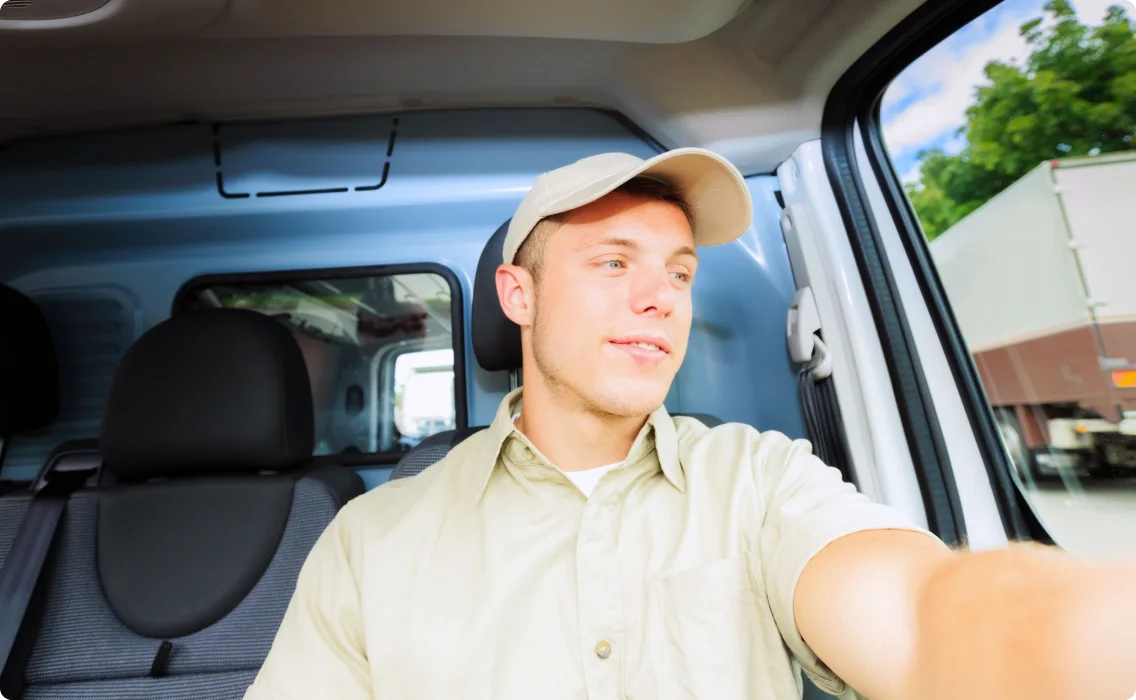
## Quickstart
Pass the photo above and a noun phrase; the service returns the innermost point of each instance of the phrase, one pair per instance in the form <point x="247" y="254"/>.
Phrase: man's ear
<point x="515" y="292"/>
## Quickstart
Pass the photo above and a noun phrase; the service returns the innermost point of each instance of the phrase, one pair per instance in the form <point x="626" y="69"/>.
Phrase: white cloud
<point x="949" y="78"/>
<point x="912" y="175"/>
<point x="952" y="80"/>
<point x="1093" y="11"/>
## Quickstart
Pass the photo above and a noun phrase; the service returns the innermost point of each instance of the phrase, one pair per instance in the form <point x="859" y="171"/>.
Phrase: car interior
<point x="246" y="274"/>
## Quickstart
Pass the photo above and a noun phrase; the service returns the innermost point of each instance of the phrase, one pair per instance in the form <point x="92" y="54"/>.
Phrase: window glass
<point x="424" y="393"/>
<point x="379" y="352"/>
<point x="1016" y="141"/>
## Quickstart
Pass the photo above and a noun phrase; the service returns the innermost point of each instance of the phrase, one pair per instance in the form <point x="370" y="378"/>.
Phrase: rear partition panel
<point x="131" y="216"/>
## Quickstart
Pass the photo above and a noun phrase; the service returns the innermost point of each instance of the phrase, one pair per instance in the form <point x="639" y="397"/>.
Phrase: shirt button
<point x="529" y="453"/>
<point x="603" y="649"/>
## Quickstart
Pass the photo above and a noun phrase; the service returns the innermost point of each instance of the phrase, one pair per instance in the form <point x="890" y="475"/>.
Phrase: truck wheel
<point x="1020" y="457"/>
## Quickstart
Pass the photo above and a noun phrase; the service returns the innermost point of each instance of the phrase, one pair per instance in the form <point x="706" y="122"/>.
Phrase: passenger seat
<point x="171" y="578"/>
<point x="497" y="347"/>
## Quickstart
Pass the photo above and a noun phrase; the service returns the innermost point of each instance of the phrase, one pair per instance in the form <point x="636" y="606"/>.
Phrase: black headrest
<point x="496" y="339"/>
<point x="29" y="368"/>
<point x="216" y="390"/>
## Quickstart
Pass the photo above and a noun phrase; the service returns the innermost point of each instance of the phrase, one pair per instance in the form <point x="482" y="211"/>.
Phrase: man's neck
<point x="572" y="437"/>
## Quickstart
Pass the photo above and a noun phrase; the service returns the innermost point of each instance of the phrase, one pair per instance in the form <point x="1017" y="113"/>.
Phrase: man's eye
<point x="681" y="276"/>
<point x="613" y="264"/>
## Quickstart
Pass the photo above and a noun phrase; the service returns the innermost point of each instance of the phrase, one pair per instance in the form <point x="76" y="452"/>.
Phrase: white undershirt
<point x="585" y="479"/>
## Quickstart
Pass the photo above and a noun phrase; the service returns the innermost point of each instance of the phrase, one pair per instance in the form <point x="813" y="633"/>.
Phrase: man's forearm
<point x="1027" y="622"/>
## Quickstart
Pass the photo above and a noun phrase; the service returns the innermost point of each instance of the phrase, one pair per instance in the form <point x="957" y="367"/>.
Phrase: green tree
<point x="1074" y="96"/>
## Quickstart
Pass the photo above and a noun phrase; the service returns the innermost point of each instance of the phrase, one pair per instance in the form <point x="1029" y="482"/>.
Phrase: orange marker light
<point x="1124" y="378"/>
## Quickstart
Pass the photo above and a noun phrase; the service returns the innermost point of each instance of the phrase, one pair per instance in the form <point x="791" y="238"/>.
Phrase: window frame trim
<point x="457" y="335"/>
<point x="855" y="102"/>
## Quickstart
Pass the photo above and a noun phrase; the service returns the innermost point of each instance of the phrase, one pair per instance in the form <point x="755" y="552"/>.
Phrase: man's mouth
<point x="644" y="348"/>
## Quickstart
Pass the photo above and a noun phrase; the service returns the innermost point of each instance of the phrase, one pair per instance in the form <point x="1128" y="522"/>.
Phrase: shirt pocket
<point x="712" y="617"/>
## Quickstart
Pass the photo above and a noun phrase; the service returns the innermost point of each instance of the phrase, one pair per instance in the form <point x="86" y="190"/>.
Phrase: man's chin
<point x="629" y="402"/>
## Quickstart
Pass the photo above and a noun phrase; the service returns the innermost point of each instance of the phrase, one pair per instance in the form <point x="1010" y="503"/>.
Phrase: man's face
<point x="612" y="310"/>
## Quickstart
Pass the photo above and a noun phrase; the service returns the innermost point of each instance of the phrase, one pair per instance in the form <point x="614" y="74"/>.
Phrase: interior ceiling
<point x="747" y="78"/>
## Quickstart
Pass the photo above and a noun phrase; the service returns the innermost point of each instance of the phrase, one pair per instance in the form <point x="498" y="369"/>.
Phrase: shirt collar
<point x="658" y="434"/>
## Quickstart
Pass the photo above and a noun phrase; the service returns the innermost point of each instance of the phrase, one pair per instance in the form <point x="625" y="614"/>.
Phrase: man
<point x="589" y="545"/>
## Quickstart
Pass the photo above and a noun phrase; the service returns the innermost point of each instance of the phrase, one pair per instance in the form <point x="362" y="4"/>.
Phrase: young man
<point x="589" y="545"/>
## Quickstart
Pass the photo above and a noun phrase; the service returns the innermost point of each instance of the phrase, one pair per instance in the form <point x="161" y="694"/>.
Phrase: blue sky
<point x="925" y="106"/>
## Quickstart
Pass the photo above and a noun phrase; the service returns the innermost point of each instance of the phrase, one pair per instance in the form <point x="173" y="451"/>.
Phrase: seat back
<point x="29" y="394"/>
<point x="170" y="579"/>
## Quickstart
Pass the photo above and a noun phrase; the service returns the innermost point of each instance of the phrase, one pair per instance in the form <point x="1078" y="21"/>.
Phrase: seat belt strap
<point x="823" y="422"/>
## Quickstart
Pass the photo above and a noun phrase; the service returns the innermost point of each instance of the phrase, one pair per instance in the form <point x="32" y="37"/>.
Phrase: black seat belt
<point x="823" y="421"/>
<point x="24" y="565"/>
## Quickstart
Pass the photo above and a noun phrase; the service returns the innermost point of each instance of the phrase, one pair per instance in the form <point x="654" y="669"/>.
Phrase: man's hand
<point x="900" y="617"/>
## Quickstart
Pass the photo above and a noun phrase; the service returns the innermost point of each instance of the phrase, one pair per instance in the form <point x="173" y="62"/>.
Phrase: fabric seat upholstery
<point x="207" y="508"/>
<point x="497" y="347"/>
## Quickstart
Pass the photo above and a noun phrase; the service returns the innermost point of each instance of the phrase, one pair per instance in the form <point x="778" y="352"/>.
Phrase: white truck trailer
<point x="1042" y="280"/>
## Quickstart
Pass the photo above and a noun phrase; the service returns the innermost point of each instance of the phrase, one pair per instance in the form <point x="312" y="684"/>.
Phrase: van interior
<point x="246" y="255"/>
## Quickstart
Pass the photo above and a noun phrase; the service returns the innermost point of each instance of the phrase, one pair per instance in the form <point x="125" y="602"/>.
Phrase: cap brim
<point x="712" y="188"/>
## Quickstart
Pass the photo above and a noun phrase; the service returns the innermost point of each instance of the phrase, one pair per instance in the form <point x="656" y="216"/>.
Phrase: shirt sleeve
<point x="807" y="506"/>
<point x="319" y="650"/>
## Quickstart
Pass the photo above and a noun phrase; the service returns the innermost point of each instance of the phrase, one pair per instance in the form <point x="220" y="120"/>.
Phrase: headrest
<point x="29" y="368"/>
<point x="496" y="339"/>
<point x="209" y="391"/>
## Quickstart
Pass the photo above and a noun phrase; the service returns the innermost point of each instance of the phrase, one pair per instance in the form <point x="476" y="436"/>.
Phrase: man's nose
<point x="652" y="292"/>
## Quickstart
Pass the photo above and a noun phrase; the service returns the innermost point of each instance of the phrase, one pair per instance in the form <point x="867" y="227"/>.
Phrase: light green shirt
<point x="490" y="576"/>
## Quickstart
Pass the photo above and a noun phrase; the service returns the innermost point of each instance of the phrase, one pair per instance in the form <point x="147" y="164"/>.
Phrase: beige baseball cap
<point x="711" y="186"/>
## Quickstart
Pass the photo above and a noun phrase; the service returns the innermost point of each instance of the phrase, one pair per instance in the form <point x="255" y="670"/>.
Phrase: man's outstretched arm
<point x="897" y="616"/>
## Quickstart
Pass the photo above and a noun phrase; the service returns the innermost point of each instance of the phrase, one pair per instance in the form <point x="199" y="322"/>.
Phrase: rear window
<point x="380" y="349"/>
